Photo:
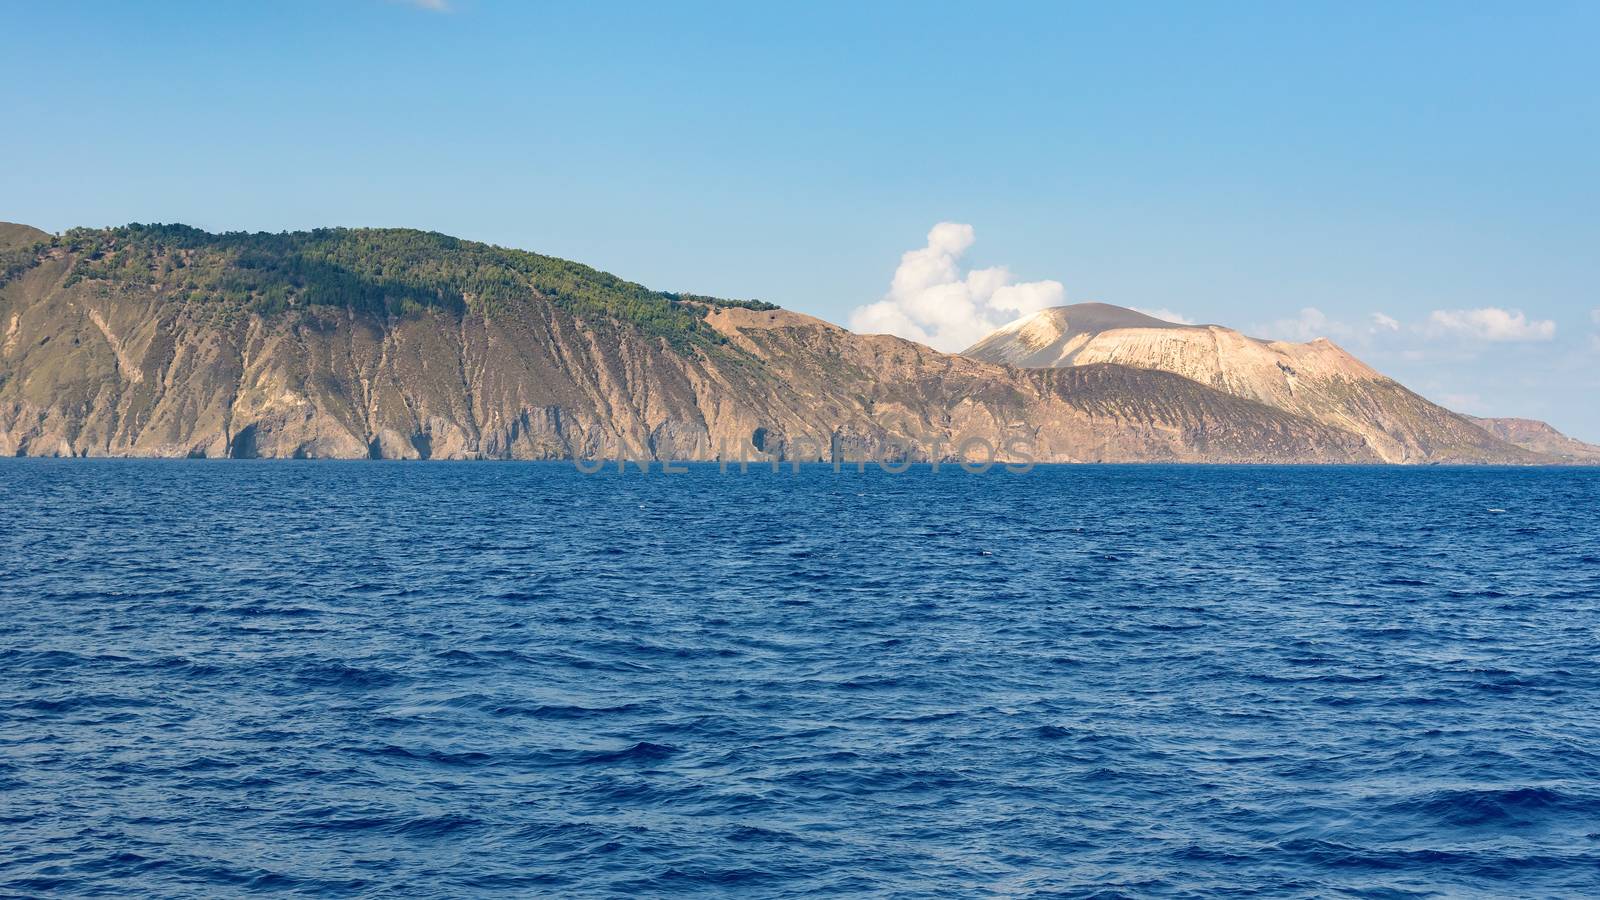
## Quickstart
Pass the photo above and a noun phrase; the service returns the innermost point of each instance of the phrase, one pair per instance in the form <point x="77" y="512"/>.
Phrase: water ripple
<point x="350" y="679"/>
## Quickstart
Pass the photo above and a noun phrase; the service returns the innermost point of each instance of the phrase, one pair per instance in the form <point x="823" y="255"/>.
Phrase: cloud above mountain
<point x="932" y="299"/>
<point x="1489" y="324"/>
<point x="1166" y="315"/>
<point x="1310" y="324"/>
<point x="935" y="299"/>
<point x="1313" y="323"/>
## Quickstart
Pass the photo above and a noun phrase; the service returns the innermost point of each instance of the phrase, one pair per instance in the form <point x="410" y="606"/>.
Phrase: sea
<point x="384" y="679"/>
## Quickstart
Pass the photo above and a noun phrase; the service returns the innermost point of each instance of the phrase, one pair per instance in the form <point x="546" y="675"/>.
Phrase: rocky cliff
<point x="1316" y="380"/>
<point x="168" y="341"/>
<point x="1540" y="437"/>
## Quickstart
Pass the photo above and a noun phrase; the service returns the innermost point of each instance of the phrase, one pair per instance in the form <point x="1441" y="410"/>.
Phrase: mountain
<point x="13" y="236"/>
<point x="19" y="248"/>
<point x="1540" y="437"/>
<point x="164" y="340"/>
<point x="1316" y="380"/>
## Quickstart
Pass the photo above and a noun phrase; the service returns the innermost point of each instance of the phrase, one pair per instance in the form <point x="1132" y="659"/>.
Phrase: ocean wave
<point x="469" y="680"/>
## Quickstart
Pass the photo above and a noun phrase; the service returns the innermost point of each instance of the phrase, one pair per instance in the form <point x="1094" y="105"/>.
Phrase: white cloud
<point x="1472" y="404"/>
<point x="1312" y="323"/>
<point x="1166" y="315"/>
<point x="1489" y="324"/>
<point x="430" y="5"/>
<point x="932" y="300"/>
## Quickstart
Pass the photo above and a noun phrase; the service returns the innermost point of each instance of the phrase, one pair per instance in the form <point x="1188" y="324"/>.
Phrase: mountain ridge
<point x="1540" y="437"/>
<point x="1317" y="379"/>
<point x="395" y="343"/>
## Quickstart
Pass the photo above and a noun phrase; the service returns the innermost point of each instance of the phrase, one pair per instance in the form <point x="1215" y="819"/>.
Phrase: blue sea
<point x="503" y="679"/>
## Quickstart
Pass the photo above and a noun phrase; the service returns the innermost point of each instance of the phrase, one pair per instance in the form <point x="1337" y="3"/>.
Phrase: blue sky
<point x="1289" y="169"/>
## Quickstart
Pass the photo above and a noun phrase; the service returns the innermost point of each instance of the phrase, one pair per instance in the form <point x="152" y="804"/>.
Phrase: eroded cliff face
<point x="1317" y="380"/>
<point x="1541" y="437"/>
<point x="92" y="367"/>
<point x="877" y="385"/>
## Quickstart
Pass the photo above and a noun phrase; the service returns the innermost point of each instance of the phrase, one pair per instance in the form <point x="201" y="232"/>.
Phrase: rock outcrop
<point x="1317" y="380"/>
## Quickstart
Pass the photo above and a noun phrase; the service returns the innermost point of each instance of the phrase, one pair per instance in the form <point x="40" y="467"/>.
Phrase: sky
<point x="1418" y="182"/>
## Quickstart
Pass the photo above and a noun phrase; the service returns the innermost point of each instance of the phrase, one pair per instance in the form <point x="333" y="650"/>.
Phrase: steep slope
<point x="1318" y="380"/>
<point x="18" y="245"/>
<point x="1540" y="437"/>
<point x="13" y="235"/>
<point x="869" y="383"/>
<point x="166" y="341"/>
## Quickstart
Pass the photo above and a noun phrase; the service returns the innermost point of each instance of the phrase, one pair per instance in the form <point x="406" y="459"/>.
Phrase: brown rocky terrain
<point x="163" y="341"/>
<point x="1317" y="380"/>
<point x="1540" y="437"/>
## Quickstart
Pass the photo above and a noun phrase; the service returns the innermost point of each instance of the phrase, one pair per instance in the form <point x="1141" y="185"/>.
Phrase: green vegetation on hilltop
<point x="759" y="305"/>
<point x="382" y="271"/>
<point x="16" y="260"/>
<point x="20" y="247"/>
